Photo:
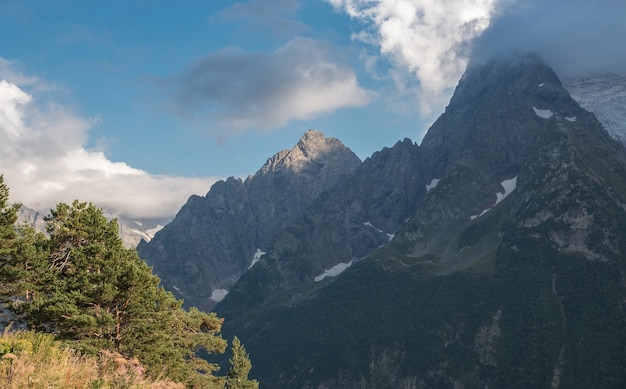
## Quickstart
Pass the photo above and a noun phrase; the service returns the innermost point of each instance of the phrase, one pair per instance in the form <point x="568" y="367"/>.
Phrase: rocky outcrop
<point x="346" y="223"/>
<point x="31" y="217"/>
<point x="213" y="239"/>
<point x="605" y="96"/>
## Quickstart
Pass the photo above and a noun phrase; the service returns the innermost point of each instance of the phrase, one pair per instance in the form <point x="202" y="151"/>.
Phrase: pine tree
<point x="8" y="217"/>
<point x="85" y="287"/>
<point x="240" y="366"/>
<point x="82" y="285"/>
<point x="8" y="213"/>
<point x="8" y="237"/>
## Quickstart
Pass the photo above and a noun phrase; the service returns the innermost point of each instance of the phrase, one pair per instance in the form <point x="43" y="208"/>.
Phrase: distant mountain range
<point x="132" y="231"/>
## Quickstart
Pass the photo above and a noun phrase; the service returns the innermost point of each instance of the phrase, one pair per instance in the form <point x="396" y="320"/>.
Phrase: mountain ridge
<point x="508" y="272"/>
<point x="213" y="239"/>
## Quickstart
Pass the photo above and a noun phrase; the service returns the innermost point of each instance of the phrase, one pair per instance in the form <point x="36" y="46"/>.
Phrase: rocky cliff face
<point x="345" y="224"/>
<point x="214" y="239"/>
<point x="509" y="126"/>
<point x="605" y="96"/>
<point x="505" y="267"/>
<point x="31" y="217"/>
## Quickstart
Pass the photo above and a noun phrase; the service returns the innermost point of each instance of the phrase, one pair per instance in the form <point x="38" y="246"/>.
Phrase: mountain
<point x="131" y="231"/>
<point x="214" y="239"/>
<point x="345" y="224"/>
<point x="605" y="96"/>
<point x="503" y="263"/>
<point x="31" y="217"/>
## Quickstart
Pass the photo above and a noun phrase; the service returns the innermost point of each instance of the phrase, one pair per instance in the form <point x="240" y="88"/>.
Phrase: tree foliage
<point x="8" y="234"/>
<point x="83" y="286"/>
<point x="240" y="366"/>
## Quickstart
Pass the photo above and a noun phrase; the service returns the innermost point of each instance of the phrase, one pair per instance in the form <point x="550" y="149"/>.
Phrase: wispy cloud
<point x="44" y="159"/>
<point x="261" y="16"/>
<point x="241" y="91"/>
<point x="426" y="40"/>
<point x="84" y="35"/>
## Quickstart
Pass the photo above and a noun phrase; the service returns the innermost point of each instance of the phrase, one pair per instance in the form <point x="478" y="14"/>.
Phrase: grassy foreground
<point x="35" y="360"/>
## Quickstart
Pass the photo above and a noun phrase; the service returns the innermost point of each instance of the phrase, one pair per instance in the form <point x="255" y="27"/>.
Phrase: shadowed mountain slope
<point x="509" y="272"/>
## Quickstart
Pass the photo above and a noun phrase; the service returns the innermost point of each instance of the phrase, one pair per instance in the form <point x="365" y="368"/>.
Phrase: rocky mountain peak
<point x="312" y="147"/>
<point x="314" y="142"/>
<point x="489" y="118"/>
<point x="312" y="137"/>
<point x="214" y="239"/>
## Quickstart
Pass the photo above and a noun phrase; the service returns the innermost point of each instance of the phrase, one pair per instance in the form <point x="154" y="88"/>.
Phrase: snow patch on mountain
<point x="256" y="257"/>
<point x="333" y="271"/>
<point x="371" y="225"/>
<point x="509" y="186"/>
<point x="218" y="295"/>
<point x="543" y="113"/>
<point x="433" y="184"/>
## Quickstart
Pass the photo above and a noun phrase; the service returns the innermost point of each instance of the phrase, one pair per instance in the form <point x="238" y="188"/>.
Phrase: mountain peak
<point x="314" y="143"/>
<point x="492" y="109"/>
<point x="312" y="136"/>
<point x="313" y="146"/>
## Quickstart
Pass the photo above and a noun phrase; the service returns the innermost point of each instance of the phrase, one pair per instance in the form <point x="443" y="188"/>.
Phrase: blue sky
<point x="137" y="104"/>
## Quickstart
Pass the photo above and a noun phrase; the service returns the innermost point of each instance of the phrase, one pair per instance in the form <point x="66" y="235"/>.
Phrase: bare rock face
<point x="214" y="238"/>
<point x="31" y="217"/>
<point x="345" y="224"/>
<point x="513" y="123"/>
<point x="292" y="179"/>
<point x="605" y="96"/>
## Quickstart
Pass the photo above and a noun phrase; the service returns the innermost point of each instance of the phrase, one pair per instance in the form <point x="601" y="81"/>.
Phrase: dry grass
<point x="35" y="360"/>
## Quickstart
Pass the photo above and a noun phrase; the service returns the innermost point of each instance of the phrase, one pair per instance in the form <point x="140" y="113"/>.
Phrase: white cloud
<point x="242" y="91"/>
<point x="573" y="36"/>
<point x="431" y="41"/>
<point x="44" y="160"/>
<point x="425" y="39"/>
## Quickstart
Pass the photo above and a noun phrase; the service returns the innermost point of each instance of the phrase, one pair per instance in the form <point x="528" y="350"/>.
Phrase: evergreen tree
<point x="8" y="214"/>
<point x="8" y="236"/>
<point x="240" y="366"/>
<point x="84" y="286"/>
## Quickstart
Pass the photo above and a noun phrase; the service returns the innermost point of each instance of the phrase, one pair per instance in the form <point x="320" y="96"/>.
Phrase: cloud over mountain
<point x="573" y="36"/>
<point x="424" y="39"/>
<point x="44" y="159"/>
<point x="241" y="91"/>
<point x="431" y="41"/>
